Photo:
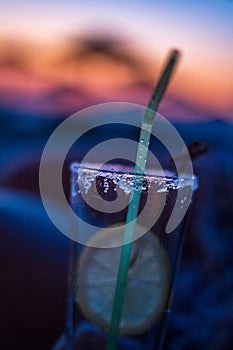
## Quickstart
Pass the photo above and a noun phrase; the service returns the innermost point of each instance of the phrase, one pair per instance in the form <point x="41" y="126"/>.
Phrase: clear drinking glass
<point x="100" y="199"/>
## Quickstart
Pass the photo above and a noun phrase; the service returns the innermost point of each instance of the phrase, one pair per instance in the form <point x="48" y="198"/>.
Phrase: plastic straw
<point x="144" y="140"/>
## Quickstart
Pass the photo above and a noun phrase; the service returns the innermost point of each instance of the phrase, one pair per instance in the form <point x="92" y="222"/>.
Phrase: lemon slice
<point x="146" y="288"/>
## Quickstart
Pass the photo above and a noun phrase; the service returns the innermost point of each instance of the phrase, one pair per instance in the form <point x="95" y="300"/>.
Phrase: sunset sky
<point x="48" y="52"/>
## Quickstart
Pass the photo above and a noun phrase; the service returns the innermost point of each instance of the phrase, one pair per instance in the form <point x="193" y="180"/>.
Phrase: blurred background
<point x="57" y="58"/>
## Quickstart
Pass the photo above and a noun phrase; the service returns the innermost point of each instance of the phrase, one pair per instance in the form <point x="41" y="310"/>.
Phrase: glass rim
<point x="185" y="179"/>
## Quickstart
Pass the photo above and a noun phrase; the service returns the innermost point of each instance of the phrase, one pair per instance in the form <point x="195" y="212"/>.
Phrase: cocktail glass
<point x="100" y="198"/>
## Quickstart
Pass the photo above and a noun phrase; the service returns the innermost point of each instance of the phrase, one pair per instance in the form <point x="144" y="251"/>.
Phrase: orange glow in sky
<point x="37" y="40"/>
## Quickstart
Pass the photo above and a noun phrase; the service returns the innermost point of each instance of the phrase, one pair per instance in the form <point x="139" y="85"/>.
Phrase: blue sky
<point x="202" y="30"/>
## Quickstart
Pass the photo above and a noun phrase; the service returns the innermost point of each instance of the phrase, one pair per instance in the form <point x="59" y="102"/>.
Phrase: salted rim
<point x="177" y="181"/>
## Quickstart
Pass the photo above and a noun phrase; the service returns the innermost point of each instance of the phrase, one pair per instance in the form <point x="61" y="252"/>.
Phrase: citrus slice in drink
<point x="146" y="288"/>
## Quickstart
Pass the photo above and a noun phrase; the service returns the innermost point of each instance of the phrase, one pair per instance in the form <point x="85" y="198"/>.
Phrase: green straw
<point x="135" y="196"/>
